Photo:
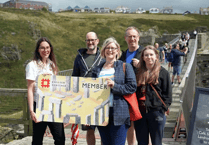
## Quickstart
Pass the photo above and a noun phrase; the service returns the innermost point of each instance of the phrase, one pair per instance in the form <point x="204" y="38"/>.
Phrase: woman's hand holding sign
<point x="110" y="83"/>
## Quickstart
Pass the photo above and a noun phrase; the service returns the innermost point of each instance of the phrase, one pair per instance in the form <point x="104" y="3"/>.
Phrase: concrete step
<point x="175" y="104"/>
<point x="174" y="95"/>
<point x="174" y="110"/>
<point x="170" y="124"/>
<point x="168" y="134"/>
<point x="176" y="99"/>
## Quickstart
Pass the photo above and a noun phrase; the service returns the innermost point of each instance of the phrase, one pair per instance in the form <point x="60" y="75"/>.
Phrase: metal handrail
<point x="183" y="82"/>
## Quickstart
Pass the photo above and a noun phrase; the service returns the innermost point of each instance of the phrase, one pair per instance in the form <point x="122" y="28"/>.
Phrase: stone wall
<point x="166" y="38"/>
<point x="147" y="40"/>
<point x="202" y="39"/>
<point x="202" y="74"/>
<point x="150" y="40"/>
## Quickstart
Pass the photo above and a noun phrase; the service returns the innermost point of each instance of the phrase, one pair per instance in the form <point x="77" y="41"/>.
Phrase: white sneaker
<point x="172" y="84"/>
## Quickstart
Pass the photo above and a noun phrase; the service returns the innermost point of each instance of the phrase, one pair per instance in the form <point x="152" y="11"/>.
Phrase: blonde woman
<point x="123" y="83"/>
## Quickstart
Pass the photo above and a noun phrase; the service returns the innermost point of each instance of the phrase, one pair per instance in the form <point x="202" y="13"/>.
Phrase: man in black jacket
<point x="132" y="56"/>
<point x="85" y="61"/>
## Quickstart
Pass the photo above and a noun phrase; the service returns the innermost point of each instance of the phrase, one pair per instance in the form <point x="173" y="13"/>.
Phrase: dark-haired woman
<point x="44" y="62"/>
<point x="150" y="77"/>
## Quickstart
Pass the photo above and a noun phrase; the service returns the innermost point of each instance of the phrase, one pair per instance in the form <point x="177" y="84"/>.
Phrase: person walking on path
<point x="177" y="62"/>
<point x="170" y="65"/>
<point x="161" y="52"/>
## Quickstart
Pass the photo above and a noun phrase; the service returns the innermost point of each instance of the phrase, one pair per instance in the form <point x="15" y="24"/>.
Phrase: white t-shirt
<point x="33" y="70"/>
<point x="108" y="73"/>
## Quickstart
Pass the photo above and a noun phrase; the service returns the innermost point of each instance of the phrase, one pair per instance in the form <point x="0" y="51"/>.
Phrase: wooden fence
<point x="25" y="119"/>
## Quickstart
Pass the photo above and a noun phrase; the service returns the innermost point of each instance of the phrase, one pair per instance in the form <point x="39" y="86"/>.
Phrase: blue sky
<point x="179" y="6"/>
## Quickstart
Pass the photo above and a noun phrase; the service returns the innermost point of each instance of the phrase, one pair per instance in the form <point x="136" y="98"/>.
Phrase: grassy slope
<point x="67" y="33"/>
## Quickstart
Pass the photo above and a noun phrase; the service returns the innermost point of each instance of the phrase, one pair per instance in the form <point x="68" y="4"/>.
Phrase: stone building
<point x="154" y="10"/>
<point x="69" y="8"/>
<point x="122" y="9"/>
<point x="104" y="10"/>
<point x="140" y="11"/>
<point x="87" y="9"/>
<point x="167" y="10"/>
<point x="77" y="9"/>
<point x="25" y="4"/>
<point x="96" y="10"/>
<point x="1" y="5"/>
<point x="204" y="11"/>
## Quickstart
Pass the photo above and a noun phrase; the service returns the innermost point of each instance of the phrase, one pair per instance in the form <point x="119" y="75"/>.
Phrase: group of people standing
<point x="178" y="51"/>
<point x="143" y="75"/>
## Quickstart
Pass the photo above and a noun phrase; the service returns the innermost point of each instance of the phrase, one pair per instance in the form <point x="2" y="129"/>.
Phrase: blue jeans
<point x="177" y="70"/>
<point x="111" y="134"/>
<point x="152" y="123"/>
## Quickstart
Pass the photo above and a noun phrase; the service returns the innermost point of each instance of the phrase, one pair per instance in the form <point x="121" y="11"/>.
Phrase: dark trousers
<point x="152" y="123"/>
<point x="111" y="134"/>
<point x="57" y="130"/>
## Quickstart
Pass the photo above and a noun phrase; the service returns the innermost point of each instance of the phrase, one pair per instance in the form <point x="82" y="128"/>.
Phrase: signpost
<point x="199" y="125"/>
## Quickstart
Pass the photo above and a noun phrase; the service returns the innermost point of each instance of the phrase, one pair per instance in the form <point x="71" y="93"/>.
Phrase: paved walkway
<point x="81" y="140"/>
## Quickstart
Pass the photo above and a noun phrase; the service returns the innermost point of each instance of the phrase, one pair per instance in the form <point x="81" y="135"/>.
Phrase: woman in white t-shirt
<point x="43" y="62"/>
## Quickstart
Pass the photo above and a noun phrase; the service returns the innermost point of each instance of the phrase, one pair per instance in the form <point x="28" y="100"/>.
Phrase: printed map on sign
<point x="73" y="100"/>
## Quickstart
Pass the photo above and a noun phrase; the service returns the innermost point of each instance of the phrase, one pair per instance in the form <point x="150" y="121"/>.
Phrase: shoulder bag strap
<point x="158" y="96"/>
<point x="124" y="68"/>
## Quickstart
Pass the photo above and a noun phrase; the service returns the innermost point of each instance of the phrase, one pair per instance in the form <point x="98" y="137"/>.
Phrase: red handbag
<point x="134" y="111"/>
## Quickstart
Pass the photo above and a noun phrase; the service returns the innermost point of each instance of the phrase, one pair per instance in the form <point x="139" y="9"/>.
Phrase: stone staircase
<point x="176" y="97"/>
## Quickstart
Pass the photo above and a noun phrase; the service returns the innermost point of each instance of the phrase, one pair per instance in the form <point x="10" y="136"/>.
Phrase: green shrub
<point x="44" y="9"/>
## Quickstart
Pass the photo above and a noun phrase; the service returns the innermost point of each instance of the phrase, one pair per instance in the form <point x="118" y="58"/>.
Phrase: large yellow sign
<point x="73" y="100"/>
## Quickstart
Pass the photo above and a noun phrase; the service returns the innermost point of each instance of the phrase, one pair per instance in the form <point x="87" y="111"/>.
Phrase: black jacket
<point x="164" y="89"/>
<point x="80" y="67"/>
<point x="137" y="56"/>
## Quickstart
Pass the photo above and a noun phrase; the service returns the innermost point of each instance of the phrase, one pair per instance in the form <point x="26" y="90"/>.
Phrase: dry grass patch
<point x="9" y="16"/>
<point x="45" y="24"/>
<point x="129" y="16"/>
<point x="17" y="115"/>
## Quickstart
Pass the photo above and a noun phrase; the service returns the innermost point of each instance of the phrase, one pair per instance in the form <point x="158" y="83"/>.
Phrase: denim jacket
<point x="124" y="84"/>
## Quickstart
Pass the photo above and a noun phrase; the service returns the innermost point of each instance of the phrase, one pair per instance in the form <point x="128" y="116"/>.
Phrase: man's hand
<point x="136" y="62"/>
